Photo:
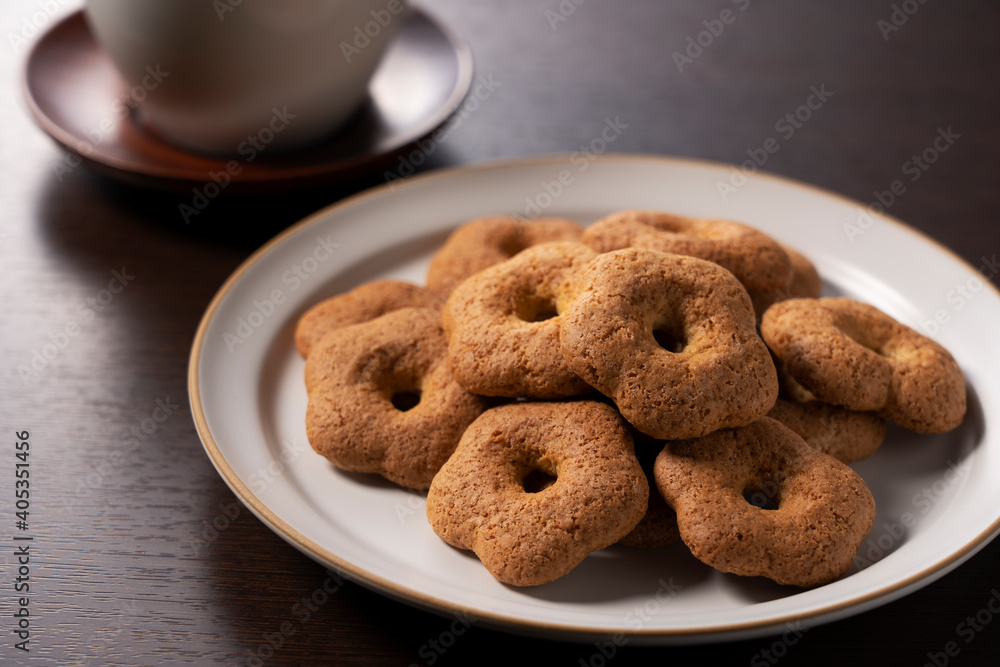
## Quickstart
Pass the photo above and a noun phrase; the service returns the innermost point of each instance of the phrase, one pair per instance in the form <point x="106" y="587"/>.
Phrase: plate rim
<point x="823" y="614"/>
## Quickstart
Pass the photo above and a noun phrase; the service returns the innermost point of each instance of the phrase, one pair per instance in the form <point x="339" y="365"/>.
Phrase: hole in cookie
<point x="405" y="400"/>
<point x="536" y="310"/>
<point x="536" y="481"/>
<point x="761" y="498"/>
<point x="668" y="339"/>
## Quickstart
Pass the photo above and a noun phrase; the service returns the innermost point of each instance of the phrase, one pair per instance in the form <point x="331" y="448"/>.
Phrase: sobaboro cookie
<point x="852" y="354"/>
<point x="381" y="398"/>
<point x="503" y="324"/>
<point x="821" y="509"/>
<point x="597" y="494"/>
<point x="671" y="340"/>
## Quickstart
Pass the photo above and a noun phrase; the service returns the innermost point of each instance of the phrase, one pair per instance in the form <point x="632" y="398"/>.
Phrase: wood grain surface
<point x="142" y="556"/>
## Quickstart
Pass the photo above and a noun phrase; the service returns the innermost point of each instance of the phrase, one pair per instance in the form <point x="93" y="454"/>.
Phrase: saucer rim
<point x="285" y="172"/>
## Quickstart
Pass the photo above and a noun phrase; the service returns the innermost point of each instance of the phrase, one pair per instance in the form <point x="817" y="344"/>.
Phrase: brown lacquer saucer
<point x="78" y="97"/>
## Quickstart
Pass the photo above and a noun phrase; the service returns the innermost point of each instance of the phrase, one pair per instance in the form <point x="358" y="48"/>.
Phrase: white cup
<point x="216" y="73"/>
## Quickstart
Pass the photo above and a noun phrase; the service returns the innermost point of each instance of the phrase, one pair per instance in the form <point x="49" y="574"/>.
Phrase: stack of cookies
<point x="650" y="379"/>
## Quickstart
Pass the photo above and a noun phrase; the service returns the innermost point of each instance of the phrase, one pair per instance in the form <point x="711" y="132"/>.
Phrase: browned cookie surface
<point x="846" y="435"/>
<point x="503" y="324"/>
<point x="479" y="500"/>
<point x="363" y="303"/>
<point x="823" y="509"/>
<point x="483" y="242"/>
<point x="671" y="340"/>
<point x="756" y="260"/>
<point x="381" y="398"/>
<point x="852" y="354"/>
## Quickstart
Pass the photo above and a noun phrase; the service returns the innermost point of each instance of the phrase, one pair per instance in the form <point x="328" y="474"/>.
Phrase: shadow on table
<point x="241" y="220"/>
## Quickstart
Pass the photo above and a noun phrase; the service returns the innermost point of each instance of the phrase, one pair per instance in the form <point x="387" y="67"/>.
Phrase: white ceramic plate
<point x="937" y="497"/>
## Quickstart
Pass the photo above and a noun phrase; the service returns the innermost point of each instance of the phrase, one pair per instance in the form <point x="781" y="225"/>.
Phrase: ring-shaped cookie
<point x="852" y="354"/>
<point x="756" y="260"/>
<point x="503" y="324"/>
<point x="381" y="398"/>
<point x="823" y="509"/>
<point x="363" y="303"/>
<point x="479" y="500"/>
<point x="671" y="340"/>
<point x="483" y="242"/>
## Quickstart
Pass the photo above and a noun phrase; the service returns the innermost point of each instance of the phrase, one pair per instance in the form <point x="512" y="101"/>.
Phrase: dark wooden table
<point x="122" y="494"/>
